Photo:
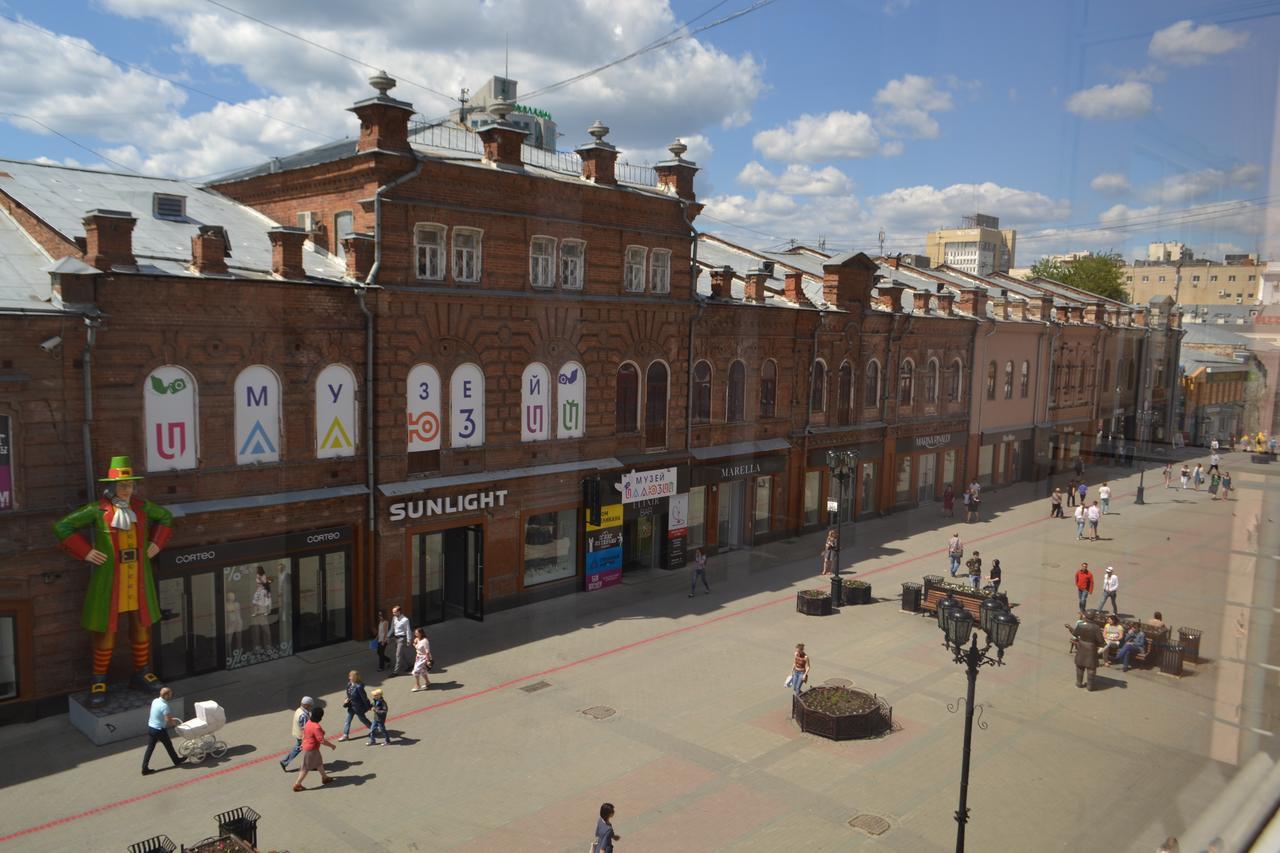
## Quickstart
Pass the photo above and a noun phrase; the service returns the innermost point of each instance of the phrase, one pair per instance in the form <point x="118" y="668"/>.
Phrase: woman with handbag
<point x="829" y="554"/>
<point x="357" y="704"/>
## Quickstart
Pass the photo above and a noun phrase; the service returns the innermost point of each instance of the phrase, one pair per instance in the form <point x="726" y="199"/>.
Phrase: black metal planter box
<point x="813" y="605"/>
<point x="875" y="718"/>
<point x="857" y="593"/>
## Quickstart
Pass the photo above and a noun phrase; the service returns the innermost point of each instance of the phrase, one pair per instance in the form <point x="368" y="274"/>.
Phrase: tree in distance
<point x="1102" y="273"/>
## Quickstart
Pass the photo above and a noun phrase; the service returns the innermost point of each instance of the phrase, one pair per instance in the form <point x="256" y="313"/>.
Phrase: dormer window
<point x="173" y="207"/>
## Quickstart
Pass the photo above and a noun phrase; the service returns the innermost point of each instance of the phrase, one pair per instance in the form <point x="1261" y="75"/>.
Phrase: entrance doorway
<point x="322" y="601"/>
<point x="731" y="511"/>
<point x="188" y="641"/>
<point x="448" y="574"/>
<point x="644" y="537"/>
<point x="928" y="486"/>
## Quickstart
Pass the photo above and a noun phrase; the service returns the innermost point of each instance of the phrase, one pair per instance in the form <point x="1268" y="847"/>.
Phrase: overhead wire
<point x="74" y="142"/>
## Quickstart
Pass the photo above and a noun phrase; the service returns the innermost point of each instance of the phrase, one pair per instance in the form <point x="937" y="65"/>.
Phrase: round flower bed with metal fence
<point x="841" y="713"/>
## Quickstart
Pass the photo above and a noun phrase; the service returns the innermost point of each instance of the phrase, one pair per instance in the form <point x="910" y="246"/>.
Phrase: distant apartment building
<point x="1168" y="253"/>
<point x="1198" y="282"/>
<point x="477" y="112"/>
<point x="978" y="246"/>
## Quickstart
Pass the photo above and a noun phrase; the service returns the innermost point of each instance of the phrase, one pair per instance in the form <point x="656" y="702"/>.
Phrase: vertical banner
<point x="257" y="394"/>
<point x="336" y="421"/>
<point x="535" y="396"/>
<point x="422" y="409"/>
<point x="6" y="463"/>
<point x="571" y="401"/>
<point x="677" y="531"/>
<point x="466" y="407"/>
<point x="169" y="403"/>
<point x="604" y="549"/>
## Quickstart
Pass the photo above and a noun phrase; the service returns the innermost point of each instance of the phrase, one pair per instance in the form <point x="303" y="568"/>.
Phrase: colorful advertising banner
<point x="6" y="464"/>
<point x="677" y="531"/>
<point x="604" y="549"/>
<point x="169" y="401"/>
<point x="648" y="485"/>
<point x="257" y="394"/>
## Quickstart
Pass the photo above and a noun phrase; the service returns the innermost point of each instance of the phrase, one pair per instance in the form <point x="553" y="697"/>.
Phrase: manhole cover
<point x="837" y="682"/>
<point x="870" y="824"/>
<point x="600" y="712"/>
<point x="536" y="686"/>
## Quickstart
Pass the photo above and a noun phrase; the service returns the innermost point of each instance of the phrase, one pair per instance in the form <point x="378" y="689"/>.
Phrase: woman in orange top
<point x="799" y="669"/>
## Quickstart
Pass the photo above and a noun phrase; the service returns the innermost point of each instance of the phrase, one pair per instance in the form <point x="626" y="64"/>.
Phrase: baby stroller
<point x="198" y="739"/>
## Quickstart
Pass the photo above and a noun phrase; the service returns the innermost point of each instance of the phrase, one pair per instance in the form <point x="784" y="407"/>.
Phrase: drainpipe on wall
<point x="693" y="323"/>
<point x="86" y="427"/>
<point x="1048" y="396"/>
<point x="813" y="369"/>
<point x="981" y="396"/>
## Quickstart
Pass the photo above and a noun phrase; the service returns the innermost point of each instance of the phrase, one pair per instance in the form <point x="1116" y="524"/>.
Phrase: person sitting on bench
<point x="1112" y="635"/>
<point x="1135" y="642"/>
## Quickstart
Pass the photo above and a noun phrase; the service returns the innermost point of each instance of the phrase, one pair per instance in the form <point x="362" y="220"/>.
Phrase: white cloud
<point x="797" y="180"/>
<point x="1184" y="43"/>
<point x="700" y="151"/>
<point x="1111" y="183"/>
<point x="1122" y="100"/>
<point x="1191" y="186"/>
<point x="781" y="217"/>
<point x="923" y="208"/>
<point x="837" y="135"/>
<point x="892" y="148"/>
<point x="909" y="102"/>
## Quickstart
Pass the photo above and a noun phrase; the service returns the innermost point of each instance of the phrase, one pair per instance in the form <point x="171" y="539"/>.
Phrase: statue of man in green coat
<point x="127" y="532"/>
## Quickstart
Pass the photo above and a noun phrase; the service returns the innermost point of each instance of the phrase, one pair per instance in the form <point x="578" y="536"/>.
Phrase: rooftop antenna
<point x="881" y="242"/>
<point x="463" y="98"/>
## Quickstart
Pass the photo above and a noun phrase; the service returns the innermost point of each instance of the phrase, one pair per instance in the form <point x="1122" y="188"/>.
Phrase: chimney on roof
<point x="1017" y="309"/>
<point x="894" y="261"/>
<point x="598" y="158"/>
<point x="890" y="296"/>
<point x="920" y="302"/>
<point x="1077" y="313"/>
<point x="721" y="279"/>
<point x="792" y="287"/>
<point x="108" y="239"/>
<point x="973" y="301"/>
<point x="286" y="252"/>
<point x="1064" y="313"/>
<point x="1140" y="317"/>
<point x="1094" y="313"/>
<point x="501" y="138"/>
<point x="946" y="303"/>
<point x="384" y="121"/>
<point x="1041" y="308"/>
<point x="847" y="280"/>
<point x="358" y="249"/>
<point x="676" y="175"/>
<point x="1175" y="319"/>
<point x="755" y="285"/>
<point x="209" y="250"/>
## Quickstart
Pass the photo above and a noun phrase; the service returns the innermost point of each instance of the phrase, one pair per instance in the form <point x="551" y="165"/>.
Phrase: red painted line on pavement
<point x="106" y="807"/>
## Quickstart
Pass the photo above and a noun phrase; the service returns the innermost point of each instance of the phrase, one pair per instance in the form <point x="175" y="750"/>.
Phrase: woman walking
<point x="1215" y="480"/>
<point x="313" y="737"/>
<point x="605" y="836"/>
<point x="1055" y="504"/>
<point x="829" y="554"/>
<point x="421" y="660"/>
<point x="949" y="501"/>
<point x="1184" y="476"/>
<point x="357" y="704"/>
<point x="1168" y="475"/>
<point x="975" y="504"/>
<point x="1198" y="476"/>
<point x="384" y="628"/>
<point x="699" y="571"/>
<point x="1226" y="485"/>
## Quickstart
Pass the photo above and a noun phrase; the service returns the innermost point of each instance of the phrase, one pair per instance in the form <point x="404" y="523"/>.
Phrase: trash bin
<point x="154" y="844"/>
<point x="911" y="597"/>
<point x="242" y="823"/>
<point x="1171" y="659"/>
<point x="1189" y="639"/>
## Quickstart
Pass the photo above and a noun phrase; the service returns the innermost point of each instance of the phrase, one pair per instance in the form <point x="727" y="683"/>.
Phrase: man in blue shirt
<point x="158" y="730"/>
<point x="1134" y="642"/>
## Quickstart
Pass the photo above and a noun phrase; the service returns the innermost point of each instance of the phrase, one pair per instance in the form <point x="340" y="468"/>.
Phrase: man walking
<point x="955" y="552"/>
<point x="1110" y="584"/>
<point x="1088" y="641"/>
<point x="1079" y="466"/>
<point x="1079" y="522"/>
<point x="301" y="717"/>
<point x="1084" y="585"/>
<point x="699" y="571"/>
<point x="1081" y="491"/>
<point x="1104" y="497"/>
<point x="975" y="570"/>
<point x="1071" y="493"/>
<point x="1094" y="515"/>
<point x="1214" y="459"/>
<point x="401" y="634"/>
<point x="158" y="730"/>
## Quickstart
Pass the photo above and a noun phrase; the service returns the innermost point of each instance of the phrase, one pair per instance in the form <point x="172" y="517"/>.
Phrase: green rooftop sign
<point x="533" y="111"/>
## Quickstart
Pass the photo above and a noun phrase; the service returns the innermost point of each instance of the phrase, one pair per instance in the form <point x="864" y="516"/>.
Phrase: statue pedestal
<point x="122" y="717"/>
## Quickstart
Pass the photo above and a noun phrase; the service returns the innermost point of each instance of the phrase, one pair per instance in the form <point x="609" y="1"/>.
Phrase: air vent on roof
<point x="170" y="206"/>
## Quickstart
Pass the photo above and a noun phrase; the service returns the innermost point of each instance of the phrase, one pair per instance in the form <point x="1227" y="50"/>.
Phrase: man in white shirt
<point x="402" y="635"/>
<point x="1214" y="459"/>
<point x="1213" y="445"/>
<point x="1104" y="497"/>
<point x="1110" y="583"/>
<point x="1094" y="515"/>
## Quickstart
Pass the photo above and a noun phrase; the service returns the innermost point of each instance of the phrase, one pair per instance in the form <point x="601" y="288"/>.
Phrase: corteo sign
<point x="428" y="507"/>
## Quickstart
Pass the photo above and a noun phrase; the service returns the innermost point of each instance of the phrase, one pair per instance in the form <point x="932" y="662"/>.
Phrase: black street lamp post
<point x="1144" y="422"/>
<point x="957" y="626"/>
<point x="840" y="463"/>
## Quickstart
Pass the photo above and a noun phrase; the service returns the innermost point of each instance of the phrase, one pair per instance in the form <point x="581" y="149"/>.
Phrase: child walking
<point x="380" y="710"/>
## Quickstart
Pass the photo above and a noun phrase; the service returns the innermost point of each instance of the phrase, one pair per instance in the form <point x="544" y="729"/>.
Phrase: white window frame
<point x="660" y="271"/>
<point x="441" y="233"/>
<point x="460" y="272"/>
<point x="573" y="271"/>
<point x="338" y="234"/>
<point x="542" y="262"/>
<point x="633" y="273"/>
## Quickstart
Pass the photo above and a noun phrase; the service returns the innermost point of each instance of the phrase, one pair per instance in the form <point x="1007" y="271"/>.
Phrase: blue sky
<point x="1086" y="125"/>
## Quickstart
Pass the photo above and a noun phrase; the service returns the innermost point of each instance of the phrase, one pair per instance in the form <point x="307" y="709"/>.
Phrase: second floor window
<point x="768" y="388"/>
<point x="871" y="388"/>
<point x="1024" y="383"/>
<point x="931" y="383"/>
<point x="660" y="271"/>
<point x="818" y="393"/>
<point x="1008" y="380"/>
<point x="572" y="263"/>
<point x="428" y="243"/>
<point x="542" y="262"/>
<point x="906" y="383"/>
<point x="466" y="254"/>
<point x="737" y="401"/>
<point x="627" y="399"/>
<point x="702" y="393"/>
<point x="991" y="381"/>
<point x="955" y="377"/>
<point x="633" y="271"/>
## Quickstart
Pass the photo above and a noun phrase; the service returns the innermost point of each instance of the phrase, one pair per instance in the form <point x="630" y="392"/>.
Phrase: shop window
<point x="906" y="382"/>
<point x="931" y="383"/>
<point x="764" y="495"/>
<point x="1024" y="382"/>
<point x="991" y="381"/>
<point x="812" y="497"/>
<point x="844" y="391"/>
<point x="256" y="612"/>
<point x="655" y="405"/>
<point x="633" y="269"/>
<point x="466" y="254"/>
<point x="902" y="486"/>
<point x="8" y="656"/>
<point x="702" y="393"/>
<point x="985" y="456"/>
<point x="867" y="484"/>
<point x="871" y="387"/>
<point x="697" y="517"/>
<point x="550" y="546"/>
<point x="542" y="262"/>
<point x="955" y="381"/>
<point x="768" y="388"/>
<point x="627" y="399"/>
<point x="573" y="264"/>
<point x="660" y="271"/>
<point x="818" y="393"/>
<point x="1008" y="380"/>
<point x="948" y="467"/>
<point x="428" y="246"/>
<point x="736" y="393"/>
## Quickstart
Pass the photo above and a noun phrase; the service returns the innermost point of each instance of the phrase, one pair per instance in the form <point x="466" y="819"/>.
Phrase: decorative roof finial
<point x="598" y="130"/>
<point x="382" y="83"/>
<point x="677" y="149"/>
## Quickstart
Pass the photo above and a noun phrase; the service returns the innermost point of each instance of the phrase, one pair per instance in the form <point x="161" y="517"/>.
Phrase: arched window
<point x="702" y="393"/>
<point x="931" y="383"/>
<point x="1008" y="380"/>
<point x="871" y="389"/>
<point x="768" y="388"/>
<point x="844" y="394"/>
<point x="1081" y="379"/>
<point x="655" y="405"/>
<point x="955" y="381"/>
<point x="1132" y="381"/>
<point x="627" y="399"/>
<point x="818" y="393"/>
<point x="173" y="429"/>
<point x="1024" y="382"/>
<point x="1106" y="375"/>
<point x="906" y="382"/>
<point x="991" y="381"/>
<point x="736" y="409"/>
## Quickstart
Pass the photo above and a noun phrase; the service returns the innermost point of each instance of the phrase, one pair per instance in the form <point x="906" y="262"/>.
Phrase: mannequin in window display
<point x="260" y="628"/>
<point x="127" y="532"/>
<point x="235" y="625"/>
